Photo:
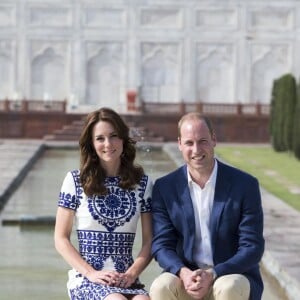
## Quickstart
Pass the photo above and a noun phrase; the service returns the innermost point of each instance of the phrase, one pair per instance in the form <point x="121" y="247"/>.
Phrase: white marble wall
<point x="92" y="51"/>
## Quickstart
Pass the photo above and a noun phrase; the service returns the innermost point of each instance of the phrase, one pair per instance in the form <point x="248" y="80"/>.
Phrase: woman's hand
<point x="105" y="277"/>
<point x="126" y="280"/>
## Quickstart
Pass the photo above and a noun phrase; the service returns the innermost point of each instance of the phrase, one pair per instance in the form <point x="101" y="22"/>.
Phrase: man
<point x="207" y="224"/>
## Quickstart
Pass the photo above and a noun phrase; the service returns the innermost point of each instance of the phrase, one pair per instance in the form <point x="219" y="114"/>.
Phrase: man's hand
<point x="196" y="283"/>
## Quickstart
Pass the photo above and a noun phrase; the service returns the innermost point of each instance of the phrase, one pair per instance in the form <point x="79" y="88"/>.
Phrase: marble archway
<point x="104" y="77"/>
<point x="47" y="75"/>
<point x="160" y="73"/>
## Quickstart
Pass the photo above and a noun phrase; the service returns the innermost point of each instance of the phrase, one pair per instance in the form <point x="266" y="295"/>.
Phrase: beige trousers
<point x="167" y="286"/>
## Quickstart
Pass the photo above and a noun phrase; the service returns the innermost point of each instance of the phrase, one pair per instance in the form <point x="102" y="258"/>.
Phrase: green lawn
<point x="279" y="173"/>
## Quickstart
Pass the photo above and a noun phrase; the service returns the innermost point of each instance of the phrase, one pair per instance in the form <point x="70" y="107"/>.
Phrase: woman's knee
<point x="140" y="297"/>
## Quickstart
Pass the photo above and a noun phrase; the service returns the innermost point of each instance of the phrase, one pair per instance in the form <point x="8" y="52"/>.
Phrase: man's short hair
<point x="195" y="116"/>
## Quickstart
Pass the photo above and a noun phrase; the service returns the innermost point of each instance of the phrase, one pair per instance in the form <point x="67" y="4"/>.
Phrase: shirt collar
<point x="212" y="178"/>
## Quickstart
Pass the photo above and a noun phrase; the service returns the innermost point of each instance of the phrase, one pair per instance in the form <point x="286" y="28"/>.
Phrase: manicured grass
<point x="278" y="173"/>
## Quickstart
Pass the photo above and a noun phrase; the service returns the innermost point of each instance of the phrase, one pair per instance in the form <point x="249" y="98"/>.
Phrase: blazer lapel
<point x="221" y="195"/>
<point x="186" y="202"/>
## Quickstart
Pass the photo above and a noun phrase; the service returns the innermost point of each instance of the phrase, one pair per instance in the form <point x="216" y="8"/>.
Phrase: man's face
<point x="197" y="145"/>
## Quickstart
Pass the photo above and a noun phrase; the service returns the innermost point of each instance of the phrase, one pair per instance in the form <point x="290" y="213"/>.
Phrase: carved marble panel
<point x="271" y="18"/>
<point x="7" y="65"/>
<point x="160" y="71"/>
<point x="162" y="17"/>
<point x="268" y="62"/>
<point x="104" y="73"/>
<point x="50" y="16"/>
<point x="7" y="15"/>
<point x="104" y="17"/>
<point x="169" y="50"/>
<point x="49" y="69"/>
<point x="225" y="18"/>
<point x="215" y="66"/>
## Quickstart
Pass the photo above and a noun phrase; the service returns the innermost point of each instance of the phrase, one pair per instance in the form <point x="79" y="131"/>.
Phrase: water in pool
<point x="30" y="267"/>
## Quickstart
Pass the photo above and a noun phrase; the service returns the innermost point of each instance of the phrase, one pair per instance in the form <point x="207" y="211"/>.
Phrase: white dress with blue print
<point x="106" y="227"/>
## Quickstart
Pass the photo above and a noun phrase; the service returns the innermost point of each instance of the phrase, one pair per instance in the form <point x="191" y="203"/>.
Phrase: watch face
<point x="213" y="272"/>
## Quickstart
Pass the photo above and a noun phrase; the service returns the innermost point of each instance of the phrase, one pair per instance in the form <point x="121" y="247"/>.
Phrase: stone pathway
<point x="16" y="158"/>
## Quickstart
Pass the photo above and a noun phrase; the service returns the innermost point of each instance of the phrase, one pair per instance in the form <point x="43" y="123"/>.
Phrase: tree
<point x="296" y="129"/>
<point x="284" y="97"/>
<point x="275" y="136"/>
<point x="289" y="104"/>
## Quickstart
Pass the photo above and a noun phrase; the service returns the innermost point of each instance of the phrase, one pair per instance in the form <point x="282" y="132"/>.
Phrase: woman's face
<point x="107" y="143"/>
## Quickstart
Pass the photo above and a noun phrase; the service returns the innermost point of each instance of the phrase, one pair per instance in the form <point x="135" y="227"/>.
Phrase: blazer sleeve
<point x="239" y="242"/>
<point x="165" y="236"/>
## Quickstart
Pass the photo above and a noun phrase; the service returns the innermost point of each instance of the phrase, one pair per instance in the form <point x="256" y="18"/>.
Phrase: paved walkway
<point x="282" y="223"/>
<point x="16" y="157"/>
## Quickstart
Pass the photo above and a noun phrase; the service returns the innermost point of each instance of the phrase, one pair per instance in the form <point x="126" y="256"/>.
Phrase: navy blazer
<point x="236" y="224"/>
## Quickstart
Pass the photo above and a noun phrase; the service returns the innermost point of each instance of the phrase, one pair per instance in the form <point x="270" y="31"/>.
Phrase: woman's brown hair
<point x="92" y="175"/>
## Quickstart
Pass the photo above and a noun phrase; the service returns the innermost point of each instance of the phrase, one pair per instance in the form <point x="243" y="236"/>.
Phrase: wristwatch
<point x="213" y="272"/>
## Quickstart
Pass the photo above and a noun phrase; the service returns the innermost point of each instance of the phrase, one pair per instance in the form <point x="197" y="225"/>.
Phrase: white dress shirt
<point x="202" y="202"/>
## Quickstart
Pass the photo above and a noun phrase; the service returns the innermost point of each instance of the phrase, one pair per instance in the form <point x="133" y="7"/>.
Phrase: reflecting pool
<point x="30" y="267"/>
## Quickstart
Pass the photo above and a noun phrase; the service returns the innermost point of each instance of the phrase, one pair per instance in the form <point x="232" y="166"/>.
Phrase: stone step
<point x="61" y="137"/>
<point x="72" y="133"/>
<point x="30" y="221"/>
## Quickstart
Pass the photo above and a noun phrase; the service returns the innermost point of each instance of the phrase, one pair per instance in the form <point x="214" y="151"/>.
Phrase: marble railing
<point x="206" y="108"/>
<point x="32" y="105"/>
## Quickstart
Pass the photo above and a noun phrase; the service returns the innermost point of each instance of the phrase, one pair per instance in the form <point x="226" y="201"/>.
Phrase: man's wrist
<point x="182" y="271"/>
<point x="213" y="273"/>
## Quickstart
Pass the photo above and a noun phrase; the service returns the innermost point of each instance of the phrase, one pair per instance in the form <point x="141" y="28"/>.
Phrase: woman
<point x="106" y="197"/>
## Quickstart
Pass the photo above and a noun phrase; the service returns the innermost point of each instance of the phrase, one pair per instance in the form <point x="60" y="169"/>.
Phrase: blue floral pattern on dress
<point x="96" y="247"/>
<point x="93" y="291"/>
<point x="115" y="208"/>
<point x="72" y="201"/>
<point x="105" y="240"/>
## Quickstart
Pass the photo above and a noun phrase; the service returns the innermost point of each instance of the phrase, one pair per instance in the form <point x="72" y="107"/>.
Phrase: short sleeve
<point x="146" y="202"/>
<point x="68" y="196"/>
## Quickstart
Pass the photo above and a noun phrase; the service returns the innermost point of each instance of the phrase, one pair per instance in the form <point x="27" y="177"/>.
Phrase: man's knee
<point x="165" y="284"/>
<point x="234" y="287"/>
